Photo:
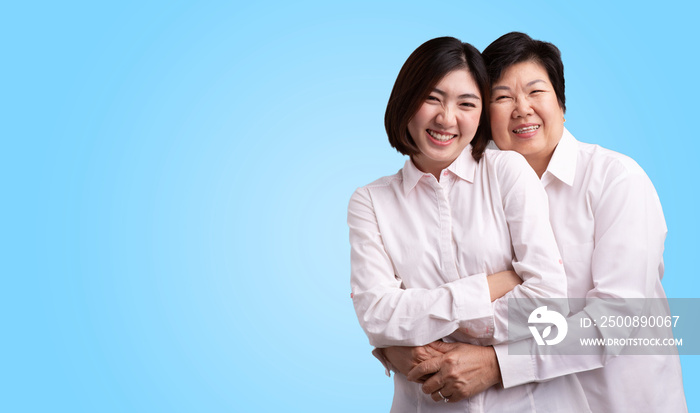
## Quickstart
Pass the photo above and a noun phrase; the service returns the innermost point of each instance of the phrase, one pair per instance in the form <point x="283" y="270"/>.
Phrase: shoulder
<point x="612" y="178"/>
<point x="606" y="167"/>
<point x="601" y="159"/>
<point x="389" y="183"/>
<point x="617" y="188"/>
<point x="505" y="160"/>
<point x="506" y="164"/>
<point x="385" y="181"/>
<point x="496" y="156"/>
<point x="511" y="173"/>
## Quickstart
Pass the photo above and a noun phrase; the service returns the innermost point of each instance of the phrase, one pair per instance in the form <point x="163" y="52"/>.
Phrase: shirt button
<point x="445" y="173"/>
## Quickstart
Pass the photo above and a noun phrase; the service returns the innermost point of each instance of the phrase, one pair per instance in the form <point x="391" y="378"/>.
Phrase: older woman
<point x="607" y="220"/>
<point x="423" y="240"/>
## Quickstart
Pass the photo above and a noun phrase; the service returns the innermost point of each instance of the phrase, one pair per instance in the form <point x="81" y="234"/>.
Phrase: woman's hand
<point x="502" y="282"/>
<point x="461" y="372"/>
<point x="404" y="359"/>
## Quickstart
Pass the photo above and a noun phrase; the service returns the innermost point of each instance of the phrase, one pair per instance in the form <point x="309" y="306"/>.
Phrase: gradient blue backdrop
<point x="175" y="178"/>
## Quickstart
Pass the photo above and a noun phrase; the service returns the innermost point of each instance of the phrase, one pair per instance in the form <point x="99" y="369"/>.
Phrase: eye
<point x="432" y="98"/>
<point x="501" y="98"/>
<point x="536" y="91"/>
<point x="467" y="105"/>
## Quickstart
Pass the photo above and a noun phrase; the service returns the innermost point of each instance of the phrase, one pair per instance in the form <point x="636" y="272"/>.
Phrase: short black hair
<point x="516" y="47"/>
<point x="423" y="69"/>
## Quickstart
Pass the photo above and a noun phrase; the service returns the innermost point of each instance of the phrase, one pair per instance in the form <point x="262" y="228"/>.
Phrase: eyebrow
<point x="530" y="83"/>
<point x="463" y="96"/>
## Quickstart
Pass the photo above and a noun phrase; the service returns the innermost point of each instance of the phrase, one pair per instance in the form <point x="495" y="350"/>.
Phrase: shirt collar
<point x="563" y="162"/>
<point x="464" y="167"/>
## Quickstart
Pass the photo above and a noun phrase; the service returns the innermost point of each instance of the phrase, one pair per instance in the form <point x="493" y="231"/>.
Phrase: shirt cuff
<point x="515" y="369"/>
<point x="471" y="299"/>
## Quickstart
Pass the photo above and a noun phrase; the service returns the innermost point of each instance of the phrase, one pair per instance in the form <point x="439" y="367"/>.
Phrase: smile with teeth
<point x="440" y="137"/>
<point x="527" y="129"/>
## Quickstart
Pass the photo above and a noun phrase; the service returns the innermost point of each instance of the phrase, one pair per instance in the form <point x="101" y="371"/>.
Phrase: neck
<point x="432" y="169"/>
<point x="539" y="165"/>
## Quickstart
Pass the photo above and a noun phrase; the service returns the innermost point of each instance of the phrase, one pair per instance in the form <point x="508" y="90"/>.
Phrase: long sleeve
<point x="537" y="260"/>
<point x="393" y="316"/>
<point x="625" y="261"/>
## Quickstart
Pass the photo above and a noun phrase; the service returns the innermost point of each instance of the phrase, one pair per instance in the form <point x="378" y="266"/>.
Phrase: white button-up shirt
<point x="420" y="252"/>
<point x="610" y="228"/>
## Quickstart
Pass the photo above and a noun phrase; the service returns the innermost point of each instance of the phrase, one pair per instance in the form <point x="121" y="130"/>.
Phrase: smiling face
<point x="446" y="122"/>
<point x="525" y="114"/>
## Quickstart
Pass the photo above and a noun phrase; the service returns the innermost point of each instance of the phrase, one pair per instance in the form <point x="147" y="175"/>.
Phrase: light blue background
<point x="175" y="178"/>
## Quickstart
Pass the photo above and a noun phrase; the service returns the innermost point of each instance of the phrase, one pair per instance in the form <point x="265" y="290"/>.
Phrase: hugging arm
<point x="626" y="263"/>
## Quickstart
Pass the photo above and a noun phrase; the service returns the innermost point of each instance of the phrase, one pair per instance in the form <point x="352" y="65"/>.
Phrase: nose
<point x="446" y="117"/>
<point x="522" y="107"/>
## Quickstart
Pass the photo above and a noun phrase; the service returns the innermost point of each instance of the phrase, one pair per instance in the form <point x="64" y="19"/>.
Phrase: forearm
<point x="501" y="283"/>
<point x="404" y="359"/>
<point x="591" y="341"/>
<point x="392" y="316"/>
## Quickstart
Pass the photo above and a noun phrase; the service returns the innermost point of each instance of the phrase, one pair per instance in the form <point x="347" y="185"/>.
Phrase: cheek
<point x="470" y="123"/>
<point x="498" y="119"/>
<point x="424" y="113"/>
<point x="555" y="119"/>
<point x="499" y="126"/>
<point x="474" y="119"/>
<point x="415" y="123"/>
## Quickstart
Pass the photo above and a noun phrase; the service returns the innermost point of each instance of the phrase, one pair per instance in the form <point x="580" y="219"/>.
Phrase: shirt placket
<point x="447" y="252"/>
